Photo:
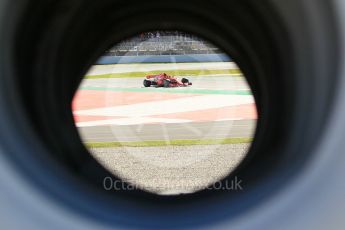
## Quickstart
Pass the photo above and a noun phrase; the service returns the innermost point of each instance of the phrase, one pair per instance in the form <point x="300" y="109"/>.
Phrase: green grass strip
<point x="194" y="73"/>
<point x="239" y="140"/>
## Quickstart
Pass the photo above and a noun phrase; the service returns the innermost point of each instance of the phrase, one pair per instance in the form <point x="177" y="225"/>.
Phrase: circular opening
<point x="166" y="112"/>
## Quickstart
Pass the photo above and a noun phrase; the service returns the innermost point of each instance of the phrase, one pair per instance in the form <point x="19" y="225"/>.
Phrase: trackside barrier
<point x="106" y="60"/>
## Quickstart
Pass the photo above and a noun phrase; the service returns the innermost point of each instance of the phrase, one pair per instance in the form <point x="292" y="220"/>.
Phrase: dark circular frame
<point x="48" y="47"/>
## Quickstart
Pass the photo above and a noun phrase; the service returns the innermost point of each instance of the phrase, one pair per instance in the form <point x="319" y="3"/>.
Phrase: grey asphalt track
<point x="190" y="131"/>
<point x="180" y="131"/>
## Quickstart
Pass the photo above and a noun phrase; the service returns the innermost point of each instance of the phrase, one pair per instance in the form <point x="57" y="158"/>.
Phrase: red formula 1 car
<point x="164" y="80"/>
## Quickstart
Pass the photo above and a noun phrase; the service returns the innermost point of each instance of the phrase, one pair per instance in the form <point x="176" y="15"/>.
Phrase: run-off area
<point x="168" y="140"/>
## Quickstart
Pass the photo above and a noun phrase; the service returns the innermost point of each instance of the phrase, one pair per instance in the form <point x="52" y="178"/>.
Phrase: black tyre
<point x="147" y="83"/>
<point x="184" y="80"/>
<point x="166" y="83"/>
